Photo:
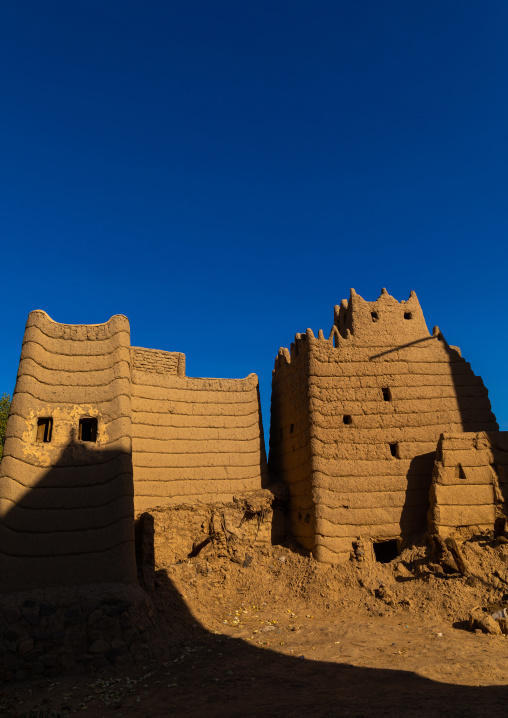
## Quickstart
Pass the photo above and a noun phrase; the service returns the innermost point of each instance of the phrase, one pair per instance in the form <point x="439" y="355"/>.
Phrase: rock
<point x="90" y="606"/>
<point x="488" y="625"/>
<point x="47" y="610"/>
<point x="11" y="663"/>
<point x="11" y="615"/>
<point x="25" y="646"/>
<point x="37" y="668"/>
<point x="94" y="616"/>
<point x="503" y="625"/>
<point x="48" y="660"/>
<point x="32" y="618"/>
<point x="10" y="636"/>
<point x="104" y="624"/>
<point x="403" y="571"/>
<point x="385" y="595"/>
<point x="99" y="646"/>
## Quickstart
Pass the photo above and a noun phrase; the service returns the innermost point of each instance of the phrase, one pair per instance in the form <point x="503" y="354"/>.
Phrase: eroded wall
<point x="468" y="492"/>
<point x="381" y="390"/>
<point x="66" y="505"/>
<point x="193" y="439"/>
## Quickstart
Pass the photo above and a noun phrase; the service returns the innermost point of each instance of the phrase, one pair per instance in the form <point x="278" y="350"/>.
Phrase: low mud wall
<point x="53" y="632"/>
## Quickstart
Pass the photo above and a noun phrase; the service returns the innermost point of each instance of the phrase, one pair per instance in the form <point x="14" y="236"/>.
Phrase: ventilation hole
<point x="88" y="430"/>
<point x="459" y="472"/>
<point x="386" y="551"/>
<point x="408" y="315"/>
<point x="387" y="394"/>
<point x="44" y="430"/>
<point x="347" y="419"/>
<point x="375" y="316"/>
<point x="394" y="449"/>
<point x="291" y="428"/>
<point x="335" y="341"/>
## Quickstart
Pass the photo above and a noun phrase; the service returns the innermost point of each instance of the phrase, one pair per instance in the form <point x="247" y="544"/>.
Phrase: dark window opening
<point x="459" y="472"/>
<point x="408" y="315"/>
<point x="394" y="449"/>
<point x="88" y="430"/>
<point x="347" y="419"/>
<point x="375" y="316"/>
<point x="387" y="394"/>
<point x="386" y="551"/>
<point x="44" y="430"/>
<point x="335" y="342"/>
<point x="291" y="428"/>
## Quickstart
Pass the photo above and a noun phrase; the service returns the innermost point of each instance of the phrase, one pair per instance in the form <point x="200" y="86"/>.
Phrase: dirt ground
<point x="276" y="633"/>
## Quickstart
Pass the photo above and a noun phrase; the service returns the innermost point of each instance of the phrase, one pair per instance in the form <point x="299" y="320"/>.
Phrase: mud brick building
<point x="99" y="431"/>
<point x="356" y="418"/>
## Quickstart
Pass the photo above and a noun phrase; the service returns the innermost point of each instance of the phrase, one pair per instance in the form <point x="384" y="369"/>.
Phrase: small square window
<point x="387" y="394"/>
<point x="88" y="430"/>
<point x="394" y="450"/>
<point x="408" y="315"/>
<point x="44" y="430"/>
<point x="347" y="419"/>
<point x="375" y="316"/>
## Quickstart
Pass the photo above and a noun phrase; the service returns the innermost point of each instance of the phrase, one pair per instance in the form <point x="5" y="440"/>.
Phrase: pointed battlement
<point x="385" y="321"/>
<point x="355" y="422"/>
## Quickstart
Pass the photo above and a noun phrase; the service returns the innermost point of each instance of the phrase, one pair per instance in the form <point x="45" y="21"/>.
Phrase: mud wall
<point x="381" y="390"/>
<point x="66" y="504"/>
<point x="193" y="439"/>
<point x="290" y="456"/>
<point x="468" y="492"/>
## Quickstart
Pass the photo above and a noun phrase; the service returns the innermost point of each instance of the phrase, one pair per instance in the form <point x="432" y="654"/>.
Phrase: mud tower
<point x="356" y="419"/>
<point x="66" y="489"/>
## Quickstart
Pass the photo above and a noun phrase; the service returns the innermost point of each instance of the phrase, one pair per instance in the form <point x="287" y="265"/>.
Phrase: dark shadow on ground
<point x="217" y="676"/>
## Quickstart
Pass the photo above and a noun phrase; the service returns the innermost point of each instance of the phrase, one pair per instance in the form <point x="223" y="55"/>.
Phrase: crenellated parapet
<point x="356" y="417"/>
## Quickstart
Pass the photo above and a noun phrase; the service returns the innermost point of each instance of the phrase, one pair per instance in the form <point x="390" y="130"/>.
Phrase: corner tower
<point x="356" y="419"/>
<point x="66" y="488"/>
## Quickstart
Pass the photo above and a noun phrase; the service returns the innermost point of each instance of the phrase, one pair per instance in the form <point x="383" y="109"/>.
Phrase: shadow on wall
<point x="238" y="679"/>
<point x="469" y="395"/>
<point x="265" y="476"/>
<point x="73" y="526"/>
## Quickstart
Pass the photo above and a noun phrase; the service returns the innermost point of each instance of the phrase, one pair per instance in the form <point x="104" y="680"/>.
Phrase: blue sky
<point x="223" y="172"/>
